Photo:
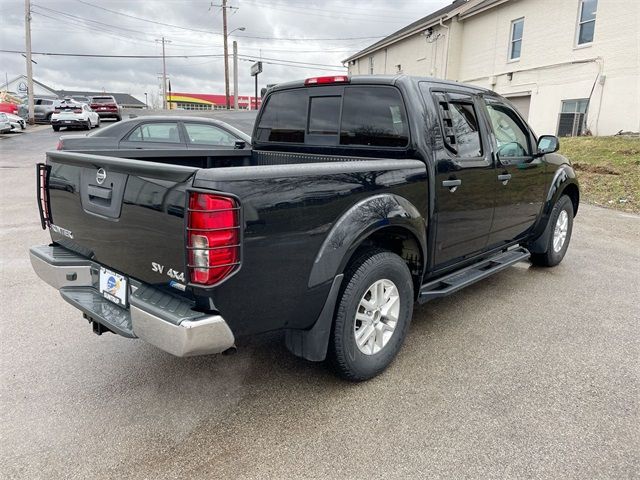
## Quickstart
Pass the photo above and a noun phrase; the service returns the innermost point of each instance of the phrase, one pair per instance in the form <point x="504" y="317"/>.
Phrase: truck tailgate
<point x="125" y="214"/>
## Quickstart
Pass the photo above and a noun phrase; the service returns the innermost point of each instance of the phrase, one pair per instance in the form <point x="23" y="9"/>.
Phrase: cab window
<point x="511" y="135"/>
<point x="373" y="116"/>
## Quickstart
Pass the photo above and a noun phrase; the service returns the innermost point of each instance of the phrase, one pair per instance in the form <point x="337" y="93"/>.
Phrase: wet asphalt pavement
<point x="533" y="373"/>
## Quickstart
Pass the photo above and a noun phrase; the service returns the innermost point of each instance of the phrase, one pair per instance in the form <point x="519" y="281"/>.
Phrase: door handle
<point x="99" y="192"/>
<point x="452" y="185"/>
<point x="504" y="178"/>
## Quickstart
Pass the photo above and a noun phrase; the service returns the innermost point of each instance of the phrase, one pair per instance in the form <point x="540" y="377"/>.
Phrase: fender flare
<point x="359" y="222"/>
<point x="564" y="176"/>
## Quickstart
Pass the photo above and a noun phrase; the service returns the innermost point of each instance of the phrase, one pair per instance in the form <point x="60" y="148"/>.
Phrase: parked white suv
<point x="71" y="114"/>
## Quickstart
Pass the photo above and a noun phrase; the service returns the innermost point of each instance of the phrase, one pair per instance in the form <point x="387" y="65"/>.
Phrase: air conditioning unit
<point x="570" y="124"/>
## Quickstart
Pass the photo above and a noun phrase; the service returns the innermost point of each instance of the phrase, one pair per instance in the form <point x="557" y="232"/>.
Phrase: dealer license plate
<point x="113" y="287"/>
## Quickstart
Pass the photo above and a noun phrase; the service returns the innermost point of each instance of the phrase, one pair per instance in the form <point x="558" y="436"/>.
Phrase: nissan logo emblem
<point x="101" y="176"/>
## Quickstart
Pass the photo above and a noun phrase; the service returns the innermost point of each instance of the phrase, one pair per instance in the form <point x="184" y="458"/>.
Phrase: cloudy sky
<point x="294" y="38"/>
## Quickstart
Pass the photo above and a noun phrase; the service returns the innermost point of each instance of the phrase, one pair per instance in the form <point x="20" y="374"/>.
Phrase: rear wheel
<point x="56" y="128"/>
<point x="88" y="125"/>
<point x="561" y="224"/>
<point x="373" y="315"/>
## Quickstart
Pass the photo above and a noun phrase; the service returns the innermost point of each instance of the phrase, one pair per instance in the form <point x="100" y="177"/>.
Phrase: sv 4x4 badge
<point x="171" y="273"/>
<point x="62" y="231"/>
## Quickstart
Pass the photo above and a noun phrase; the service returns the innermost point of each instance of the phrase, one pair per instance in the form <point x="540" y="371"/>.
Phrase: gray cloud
<point x="55" y="28"/>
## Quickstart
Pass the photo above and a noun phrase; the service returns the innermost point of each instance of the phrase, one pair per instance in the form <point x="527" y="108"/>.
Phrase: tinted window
<point x="201" y="134"/>
<point x="373" y="116"/>
<point x="324" y="115"/>
<point x="156" y="132"/>
<point x="103" y="100"/>
<point x="465" y="128"/>
<point x="284" y="118"/>
<point x="511" y="135"/>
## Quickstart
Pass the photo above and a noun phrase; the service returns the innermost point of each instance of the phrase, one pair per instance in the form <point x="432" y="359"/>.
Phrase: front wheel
<point x="561" y="224"/>
<point x="56" y="128"/>
<point x="373" y="315"/>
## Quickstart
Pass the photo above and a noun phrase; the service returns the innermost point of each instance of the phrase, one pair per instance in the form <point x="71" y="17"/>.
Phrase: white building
<point x="570" y="66"/>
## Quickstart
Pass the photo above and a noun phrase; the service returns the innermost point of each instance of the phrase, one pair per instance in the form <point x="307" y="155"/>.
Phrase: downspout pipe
<point x="446" y="51"/>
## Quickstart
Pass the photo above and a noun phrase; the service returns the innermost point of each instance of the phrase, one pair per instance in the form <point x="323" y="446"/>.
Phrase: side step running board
<point x="457" y="280"/>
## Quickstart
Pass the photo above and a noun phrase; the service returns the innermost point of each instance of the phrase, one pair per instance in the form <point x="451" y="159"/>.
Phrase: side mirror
<point x="239" y="145"/>
<point x="547" y="144"/>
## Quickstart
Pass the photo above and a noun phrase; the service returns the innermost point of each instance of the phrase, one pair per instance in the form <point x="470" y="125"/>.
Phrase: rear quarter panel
<point x="288" y="212"/>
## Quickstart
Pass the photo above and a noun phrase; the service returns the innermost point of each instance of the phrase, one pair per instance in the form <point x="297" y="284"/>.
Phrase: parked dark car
<point x="106" y="106"/>
<point x="160" y="139"/>
<point x="360" y="196"/>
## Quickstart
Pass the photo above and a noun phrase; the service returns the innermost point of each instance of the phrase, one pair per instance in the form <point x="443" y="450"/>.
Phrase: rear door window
<point x="156" y="132"/>
<point x="373" y="116"/>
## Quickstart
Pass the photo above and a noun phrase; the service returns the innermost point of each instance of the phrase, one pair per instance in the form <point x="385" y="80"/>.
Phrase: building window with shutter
<point x="515" y="45"/>
<point x="586" y="21"/>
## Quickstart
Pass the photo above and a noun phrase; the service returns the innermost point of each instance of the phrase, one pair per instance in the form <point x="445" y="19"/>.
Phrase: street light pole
<point x="27" y="32"/>
<point x="146" y="101"/>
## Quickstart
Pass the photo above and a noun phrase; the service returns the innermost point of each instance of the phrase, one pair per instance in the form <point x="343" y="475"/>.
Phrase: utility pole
<point x="226" y="53"/>
<point x="27" y="34"/>
<point x="164" y="74"/>
<point x="235" y="75"/>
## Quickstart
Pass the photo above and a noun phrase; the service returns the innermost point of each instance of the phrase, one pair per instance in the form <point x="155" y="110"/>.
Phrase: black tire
<point x="49" y="115"/>
<point x="118" y="118"/>
<point x="56" y="128"/>
<point x="550" y="257"/>
<point x="88" y="125"/>
<point x="344" y="354"/>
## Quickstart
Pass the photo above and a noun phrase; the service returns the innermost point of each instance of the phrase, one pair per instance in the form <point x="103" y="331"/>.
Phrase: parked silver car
<point x="5" y="126"/>
<point x="43" y="109"/>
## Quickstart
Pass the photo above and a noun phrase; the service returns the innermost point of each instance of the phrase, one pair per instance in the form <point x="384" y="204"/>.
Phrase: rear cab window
<point x="103" y="100"/>
<point x="349" y="116"/>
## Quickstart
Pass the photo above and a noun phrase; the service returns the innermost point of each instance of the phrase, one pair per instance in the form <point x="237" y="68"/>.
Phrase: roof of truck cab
<point x="379" y="80"/>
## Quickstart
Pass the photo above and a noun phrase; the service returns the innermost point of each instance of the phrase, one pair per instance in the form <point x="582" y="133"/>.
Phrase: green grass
<point x="608" y="169"/>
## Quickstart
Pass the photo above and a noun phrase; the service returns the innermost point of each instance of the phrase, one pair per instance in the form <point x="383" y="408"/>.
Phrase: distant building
<point x="569" y="66"/>
<point x="18" y="86"/>
<point x="204" y="101"/>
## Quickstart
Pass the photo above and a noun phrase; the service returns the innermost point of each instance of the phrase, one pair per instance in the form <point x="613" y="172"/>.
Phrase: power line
<point x="274" y="61"/>
<point x="191" y="29"/>
<point x="96" y="55"/>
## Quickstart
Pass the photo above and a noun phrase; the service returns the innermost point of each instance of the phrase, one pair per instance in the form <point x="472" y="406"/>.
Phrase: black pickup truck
<point x="359" y="196"/>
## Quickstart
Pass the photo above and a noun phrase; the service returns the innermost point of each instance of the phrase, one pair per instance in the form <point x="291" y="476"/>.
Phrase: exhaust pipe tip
<point x="230" y="351"/>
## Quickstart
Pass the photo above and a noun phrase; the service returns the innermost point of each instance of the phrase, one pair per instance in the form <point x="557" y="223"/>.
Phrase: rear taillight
<point x="43" y="194"/>
<point x="77" y="110"/>
<point x="213" y="237"/>
<point x="57" y="110"/>
<point x="327" y="80"/>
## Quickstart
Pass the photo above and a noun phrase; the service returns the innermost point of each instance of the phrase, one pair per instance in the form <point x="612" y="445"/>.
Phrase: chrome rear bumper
<point x="161" y="319"/>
